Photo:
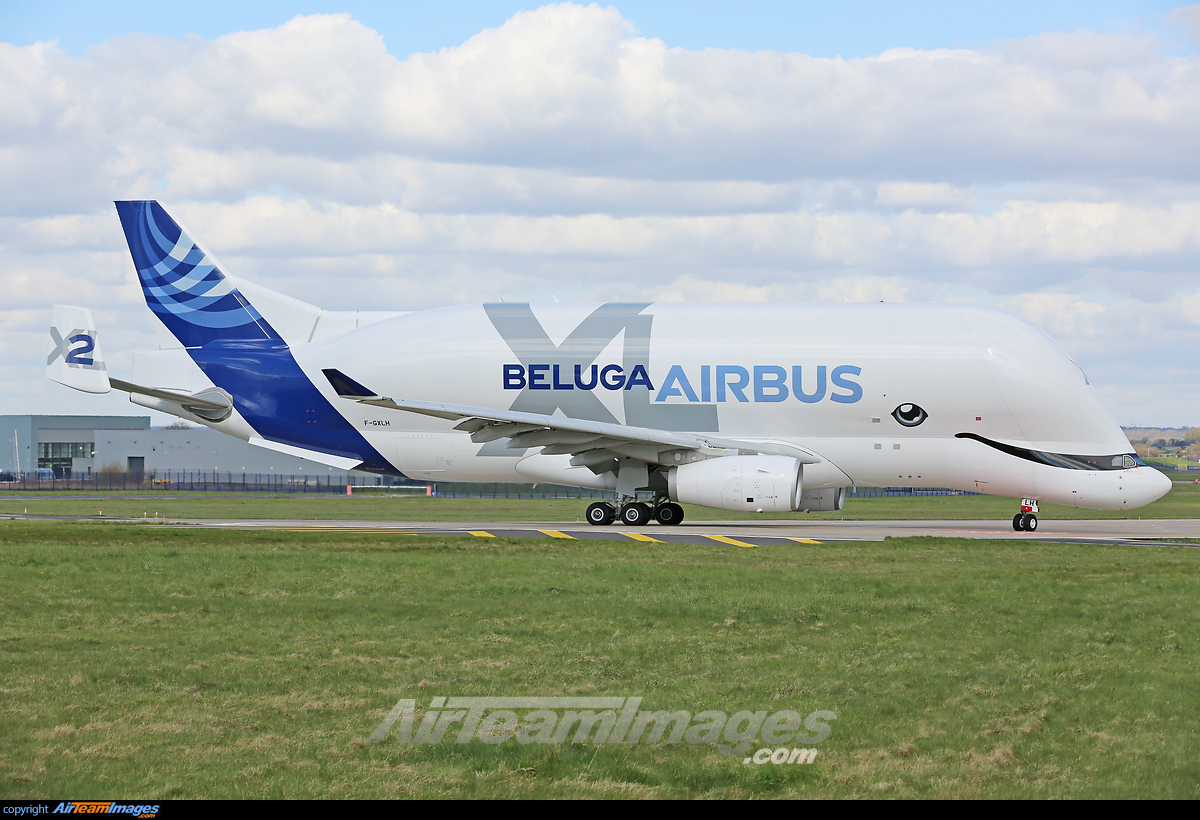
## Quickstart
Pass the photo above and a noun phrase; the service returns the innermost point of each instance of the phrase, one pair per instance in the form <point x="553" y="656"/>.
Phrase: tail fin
<point x="74" y="358"/>
<point x="196" y="300"/>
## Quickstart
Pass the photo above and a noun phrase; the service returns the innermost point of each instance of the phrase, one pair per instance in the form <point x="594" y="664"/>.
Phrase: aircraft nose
<point x="1164" y="485"/>
<point x="1155" y="484"/>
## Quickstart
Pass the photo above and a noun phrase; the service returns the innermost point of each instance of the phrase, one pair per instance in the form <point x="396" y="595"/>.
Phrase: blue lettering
<point x="838" y="378"/>
<point x="798" y="385"/>
<point x="535" y="376"/>
<point x="776" y="384"/>
<point x="726" y="370"/>
<point x="770" y="382"/>
<point x="558" y="385"/>
<point x="639" y="376"/>
<point x="590" y="385"/>
<point x="617" y="383"/>
<point x="514" y="377"/>
<point x="74" y="356"/>
<point x="676" y="376"/>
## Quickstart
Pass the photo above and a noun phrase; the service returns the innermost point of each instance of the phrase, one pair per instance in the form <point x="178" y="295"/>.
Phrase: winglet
<point x="74" y="358"/>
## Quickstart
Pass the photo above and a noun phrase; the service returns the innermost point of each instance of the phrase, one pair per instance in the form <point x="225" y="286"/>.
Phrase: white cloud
<point x="1189" y="18"/>
<point x="1060" y="314"/>
<point x="1065" y="234"/>
<point x="878" y="289"/>
<point x="572" y="88"/>
<point x="1190" y="308"/>
<point x="562" y="154"/>
<point x="937" y="195"/>
<point x="688" y="288"/>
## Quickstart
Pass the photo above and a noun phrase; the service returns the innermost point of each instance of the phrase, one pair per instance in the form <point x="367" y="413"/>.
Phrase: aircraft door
<point x="421" y="455"/>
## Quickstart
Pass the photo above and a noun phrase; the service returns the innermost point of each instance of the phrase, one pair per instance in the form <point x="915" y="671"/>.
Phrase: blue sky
<point x="852" y="28"/>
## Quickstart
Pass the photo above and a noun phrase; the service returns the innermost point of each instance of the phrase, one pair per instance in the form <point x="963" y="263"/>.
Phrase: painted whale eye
<point x="909" y="415"/>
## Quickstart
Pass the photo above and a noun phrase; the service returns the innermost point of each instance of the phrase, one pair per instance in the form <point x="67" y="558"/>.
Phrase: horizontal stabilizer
<point x="210" y="405"/>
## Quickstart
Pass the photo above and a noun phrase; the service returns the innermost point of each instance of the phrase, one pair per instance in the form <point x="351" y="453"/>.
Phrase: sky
<point x="1039" y="157"/>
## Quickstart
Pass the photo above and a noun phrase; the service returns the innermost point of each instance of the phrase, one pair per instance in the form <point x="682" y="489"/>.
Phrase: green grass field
<point x="1173" y="462"/>
<point x="1182" y="502"/>
<point x="160" y="662"/>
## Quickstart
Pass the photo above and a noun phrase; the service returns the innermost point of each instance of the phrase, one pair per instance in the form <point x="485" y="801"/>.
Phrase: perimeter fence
<point x="187" y="480"/>
<point x="275" y="483"/>
<point x="192" y="480"/>
<point x="215" y="481"/>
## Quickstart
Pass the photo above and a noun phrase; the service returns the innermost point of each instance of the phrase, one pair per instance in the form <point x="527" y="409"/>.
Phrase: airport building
<point x="82" y="445"/>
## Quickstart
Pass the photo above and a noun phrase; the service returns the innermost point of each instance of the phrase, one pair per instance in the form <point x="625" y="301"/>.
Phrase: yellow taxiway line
<point x="724" y="540"/>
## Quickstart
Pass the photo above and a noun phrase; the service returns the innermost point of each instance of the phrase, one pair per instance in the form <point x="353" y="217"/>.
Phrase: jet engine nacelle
<point x="739" y="483"/>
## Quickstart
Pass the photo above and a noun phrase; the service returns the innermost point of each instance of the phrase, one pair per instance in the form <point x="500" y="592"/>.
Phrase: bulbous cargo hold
<point x="959" y="396"/>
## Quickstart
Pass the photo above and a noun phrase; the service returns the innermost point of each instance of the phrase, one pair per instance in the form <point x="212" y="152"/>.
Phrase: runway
<point x="1148" y="532"/>
<point x="1161" y="532"/>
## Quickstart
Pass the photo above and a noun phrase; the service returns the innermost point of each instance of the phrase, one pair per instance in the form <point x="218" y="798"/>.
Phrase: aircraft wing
<point x="589" y="442"/>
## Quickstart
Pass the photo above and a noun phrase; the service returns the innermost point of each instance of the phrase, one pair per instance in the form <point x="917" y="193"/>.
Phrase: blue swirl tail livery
<point x="198" y="299"/>
<point x="743" y="407"/>
<point x="182" y="284"/>
<point x="245" y="380"/>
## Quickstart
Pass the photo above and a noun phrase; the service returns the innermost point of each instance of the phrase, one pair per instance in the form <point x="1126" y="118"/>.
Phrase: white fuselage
<point x="824" y="378"/>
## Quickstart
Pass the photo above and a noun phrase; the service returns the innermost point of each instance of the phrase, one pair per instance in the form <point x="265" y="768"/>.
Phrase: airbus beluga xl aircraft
<point x="775" y="407"/>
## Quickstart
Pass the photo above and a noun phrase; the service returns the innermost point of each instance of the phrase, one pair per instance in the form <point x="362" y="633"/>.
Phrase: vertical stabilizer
<point x="196" y="300"/>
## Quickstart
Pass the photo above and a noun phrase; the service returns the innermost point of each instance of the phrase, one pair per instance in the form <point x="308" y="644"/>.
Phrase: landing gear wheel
<point x="1030" y="522"/>
<point x="601" y="513"/>
<point x="1019" y="522"/>
<point x="635" y="514"/>
<point x="668" y="514"/>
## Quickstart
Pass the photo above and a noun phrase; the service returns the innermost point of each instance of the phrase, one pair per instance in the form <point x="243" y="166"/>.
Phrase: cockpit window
<point x="1122" y="461"/>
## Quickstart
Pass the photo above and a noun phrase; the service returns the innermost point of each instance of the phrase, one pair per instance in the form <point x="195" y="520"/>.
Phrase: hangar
<point x="81" y="445"/>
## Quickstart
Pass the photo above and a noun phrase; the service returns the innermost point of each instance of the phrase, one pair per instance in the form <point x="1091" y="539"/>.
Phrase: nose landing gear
<point x="1026" y="519"/>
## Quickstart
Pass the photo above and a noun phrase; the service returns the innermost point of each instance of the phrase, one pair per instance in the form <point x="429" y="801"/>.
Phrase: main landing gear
<point x="635" y="513"/>
<point x="1026" y="519"/>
